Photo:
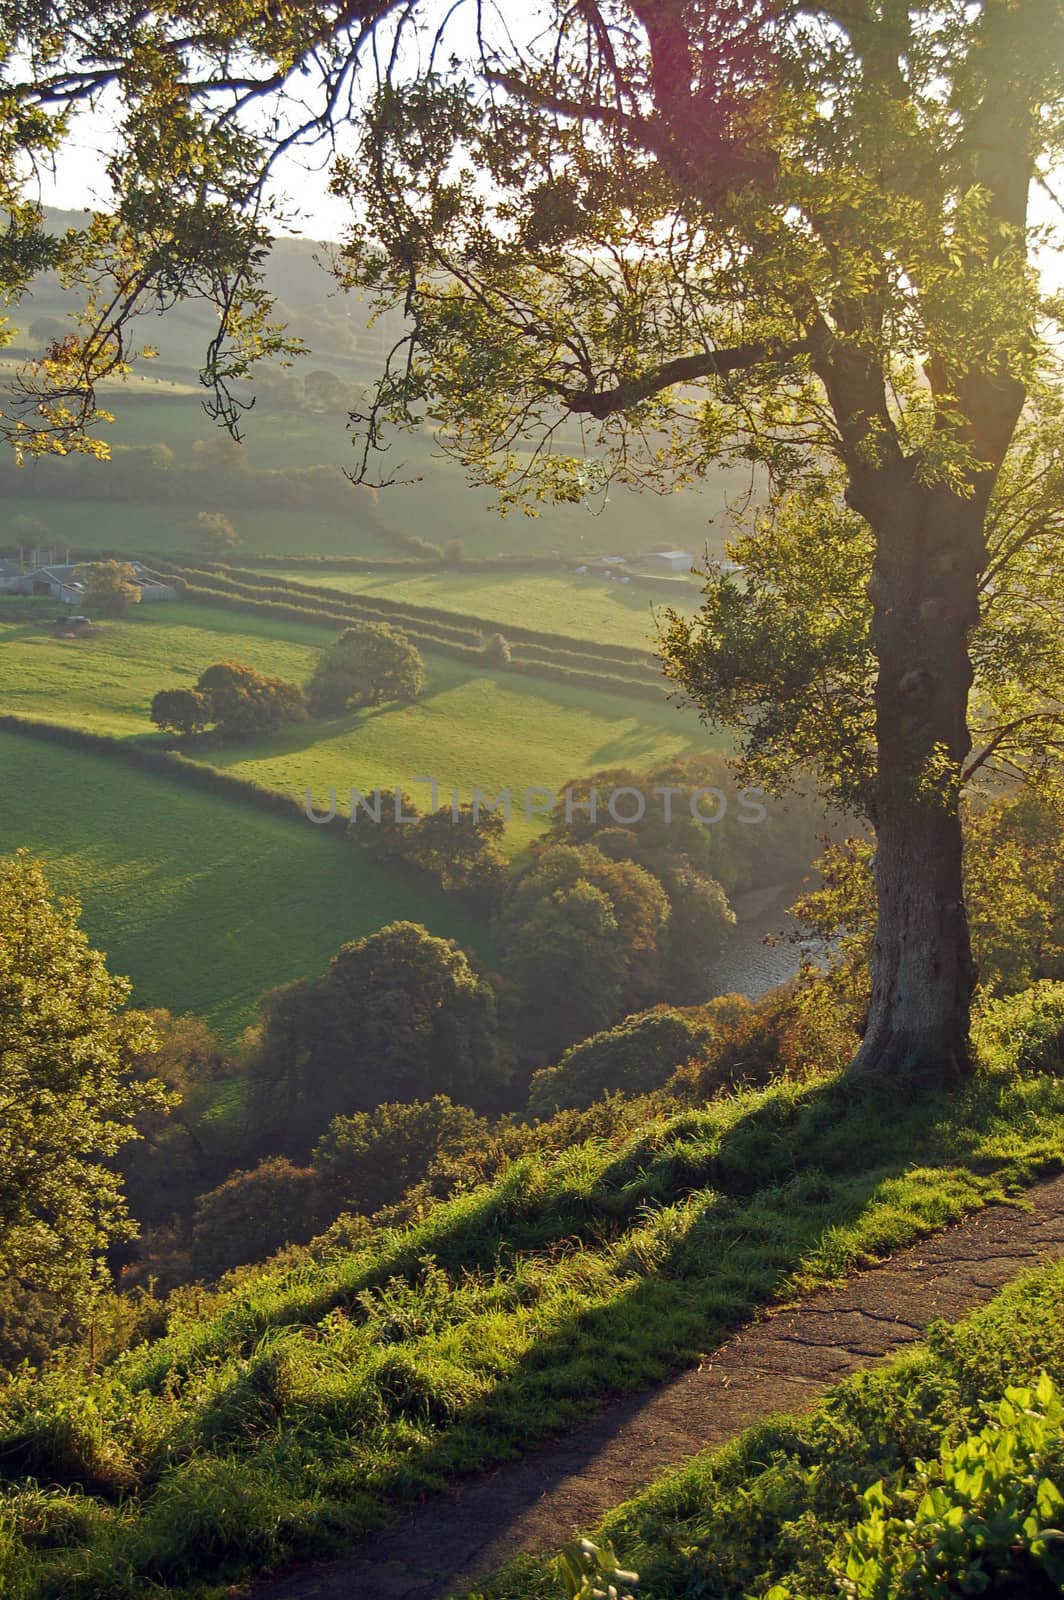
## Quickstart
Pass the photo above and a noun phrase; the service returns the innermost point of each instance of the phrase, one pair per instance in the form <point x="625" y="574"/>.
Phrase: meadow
<point x="471" y="727"/>
<point x="584" y="607"/>
<point x="205" y="904"/>
<point x="430" y="499"/>
<point x="202" y="902"/>
<point x="142" y="529"/>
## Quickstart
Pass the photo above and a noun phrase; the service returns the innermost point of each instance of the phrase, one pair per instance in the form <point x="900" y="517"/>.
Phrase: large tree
<point x="793" y="231"/>
<point x="71" y="1092"/>
<point x="367" y="665"/>
<point x="794" y="234"/>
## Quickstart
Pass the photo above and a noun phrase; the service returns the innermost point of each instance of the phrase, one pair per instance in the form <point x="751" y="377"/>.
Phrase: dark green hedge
<point x="166" y="764"/>
<point x="616" y="683"/>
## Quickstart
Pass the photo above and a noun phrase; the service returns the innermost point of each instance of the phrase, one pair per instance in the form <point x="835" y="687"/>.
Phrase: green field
<point x="204" y="903"/>
<point x="143" y="530"/>
<point x="469" y="728"/>
<point x="431" y="498"/>
<point x="105" y="682"/>
<point x="586" y="607"/>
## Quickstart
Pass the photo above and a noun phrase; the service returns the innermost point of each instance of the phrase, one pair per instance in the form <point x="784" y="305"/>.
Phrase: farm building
<point x="56" y="583"/>
<point x="60" y="583"/>
<point x="670" y="561"/>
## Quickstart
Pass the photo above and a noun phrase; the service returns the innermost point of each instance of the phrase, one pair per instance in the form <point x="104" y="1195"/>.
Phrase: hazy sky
<point x="302" y="185"/>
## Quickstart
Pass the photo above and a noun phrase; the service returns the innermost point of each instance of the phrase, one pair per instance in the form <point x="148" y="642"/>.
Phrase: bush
<point x="253" y="1214"/>
<point x="34" y="1326"/>
<point x="1024" y="1032"/>
<point x="369" y="1160"/>
<point x="638" y="1055"/>
<point x="496" y="650"/>
<point x="109" y="587"/>
<point x="790" y="1033"/>
<point x="985" y="1516"/>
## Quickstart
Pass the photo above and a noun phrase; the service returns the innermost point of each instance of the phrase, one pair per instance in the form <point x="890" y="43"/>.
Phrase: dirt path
<point x="782" y="1362"/>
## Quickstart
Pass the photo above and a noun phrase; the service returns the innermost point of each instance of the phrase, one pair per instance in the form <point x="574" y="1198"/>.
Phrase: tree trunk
<point x="924" y="591"/>
<point x="922" y="969"/>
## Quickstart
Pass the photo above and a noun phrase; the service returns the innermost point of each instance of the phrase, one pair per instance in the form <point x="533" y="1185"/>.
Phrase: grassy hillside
<point x="106" y="681"/>
<point x="144" y="528"/>
<point x="470" y="728"/>
<point x="203" y="903"/>
<point x="431" y="498"/>
<point x="308" y="1403"/>
<point x="582" y="607"/>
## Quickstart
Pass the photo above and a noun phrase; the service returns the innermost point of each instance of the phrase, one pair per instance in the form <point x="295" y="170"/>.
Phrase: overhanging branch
<point x="602" y="403"/>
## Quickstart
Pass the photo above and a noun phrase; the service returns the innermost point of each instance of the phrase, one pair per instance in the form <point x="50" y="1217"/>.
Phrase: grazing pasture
<point x="471" y="727"/>
<point x="203" y="902"/>
<point x="584" y="607"/>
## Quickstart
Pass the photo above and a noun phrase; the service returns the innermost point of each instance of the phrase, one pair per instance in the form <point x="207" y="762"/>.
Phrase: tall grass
<point x="320" y="1393"/>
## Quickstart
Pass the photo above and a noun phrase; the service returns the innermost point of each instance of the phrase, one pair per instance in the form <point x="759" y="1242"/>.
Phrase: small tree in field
<point x="244" y="702"/>
<point x="215" y="534"/>
<point x="183" y="711"/>
<point x="367" y="666"/>
<point x="109" y="587"/>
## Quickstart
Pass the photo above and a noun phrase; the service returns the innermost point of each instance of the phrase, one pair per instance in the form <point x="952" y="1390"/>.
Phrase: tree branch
<point x="602" y="403"/>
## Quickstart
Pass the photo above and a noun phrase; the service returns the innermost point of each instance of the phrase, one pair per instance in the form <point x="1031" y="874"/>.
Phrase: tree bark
<point x="924" y="591"/>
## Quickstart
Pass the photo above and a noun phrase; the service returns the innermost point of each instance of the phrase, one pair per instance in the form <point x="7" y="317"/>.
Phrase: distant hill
<point x="298" y="427"/>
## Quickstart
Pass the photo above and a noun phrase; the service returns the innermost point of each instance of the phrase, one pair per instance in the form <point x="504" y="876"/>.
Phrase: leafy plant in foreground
<point x="985" y="1516"/>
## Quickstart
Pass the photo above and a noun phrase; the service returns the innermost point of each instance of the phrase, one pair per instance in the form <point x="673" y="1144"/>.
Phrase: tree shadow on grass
<point x="778" y="1186"/>
<point x="765" y="1193"/>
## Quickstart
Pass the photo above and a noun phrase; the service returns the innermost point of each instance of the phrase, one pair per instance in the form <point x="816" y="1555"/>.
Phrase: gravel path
<point x="783" y="1361"/>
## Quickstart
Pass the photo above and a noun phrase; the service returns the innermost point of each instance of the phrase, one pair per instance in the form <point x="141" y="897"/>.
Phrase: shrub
<point x="986" y="1515"/>
<point x="109" y="587"/>
<point x="252" y="1214"/>
<point x="33" y="1326"/>
<point x="496" y="650"/>
<point x="638" y="1055"/>
<point x="368" y="1160"/>
<point x="215" y="533"/>
<point x="592" y="1572"/>
<point x="790" y="1032"/>
<point x="1024" y="1032"/>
